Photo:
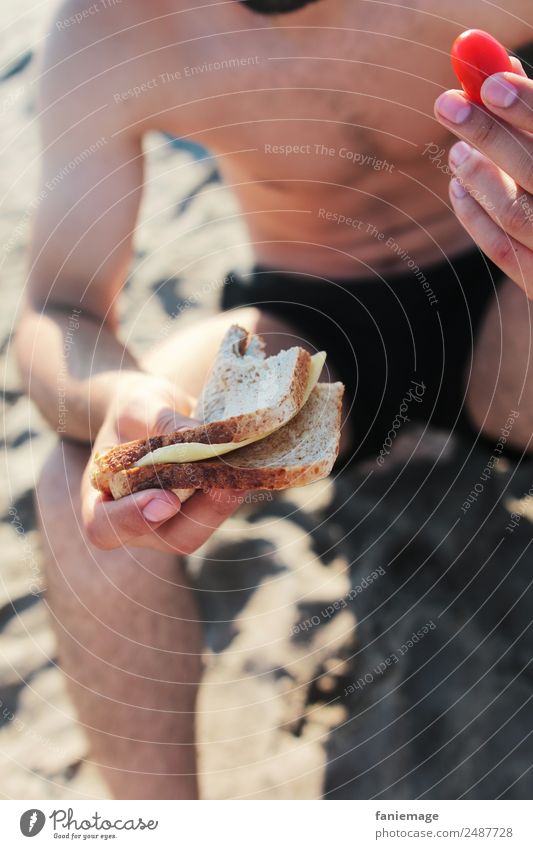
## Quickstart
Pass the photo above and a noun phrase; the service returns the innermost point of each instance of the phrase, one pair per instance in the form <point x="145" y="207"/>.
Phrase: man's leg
<point x="502" y="374"/>
<point x="129" y="643"/>
<point x="125" y="620"/>
<point x="187" y="356"/>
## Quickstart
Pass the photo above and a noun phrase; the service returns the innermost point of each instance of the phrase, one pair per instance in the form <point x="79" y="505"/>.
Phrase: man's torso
<point x="321" y="121"/>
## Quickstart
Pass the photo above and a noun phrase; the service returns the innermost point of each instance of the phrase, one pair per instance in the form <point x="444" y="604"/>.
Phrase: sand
<point x="367" y="636"/>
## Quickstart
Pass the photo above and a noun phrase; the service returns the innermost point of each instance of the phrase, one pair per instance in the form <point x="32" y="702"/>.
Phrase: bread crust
<point x="251" y="468"/>
<point x="207" y="475"/>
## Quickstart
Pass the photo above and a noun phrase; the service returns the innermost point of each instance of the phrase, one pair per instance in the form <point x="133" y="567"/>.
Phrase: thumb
<point x="168" y="419"/>
<point x="170" y="409"/>
<point x="142" y="408"/>
<point x="161" y="406"/>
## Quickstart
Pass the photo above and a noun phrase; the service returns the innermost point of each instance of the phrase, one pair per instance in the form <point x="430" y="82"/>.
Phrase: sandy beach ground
<point x="365" y="636"/>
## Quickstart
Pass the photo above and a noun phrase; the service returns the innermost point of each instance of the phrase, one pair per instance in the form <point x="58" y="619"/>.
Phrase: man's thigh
<point x="187" y="355"/>
<point x="501" y="381"/>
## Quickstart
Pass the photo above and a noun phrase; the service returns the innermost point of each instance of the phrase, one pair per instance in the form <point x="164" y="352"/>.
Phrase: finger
<point x="513" y="258"/>
<point x="496" y="193"/>
<point x="138" y="422"/>
<point x="144" y="408"/>
<point x="107" y="437"/>
<point x="511" y="97"/>
<point x="199" y="517"/>
<point x="167" y="421"/>
<point x="518" y="68"/>
<point x="171" y="410"/>
<point x="110" y="524"/>
<point x="509" y="148"/>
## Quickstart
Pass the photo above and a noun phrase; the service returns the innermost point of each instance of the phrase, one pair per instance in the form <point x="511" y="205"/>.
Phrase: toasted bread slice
<point x="302" y="451"/>
<point x="246" y="396"/>
<point x="251" y="393"/>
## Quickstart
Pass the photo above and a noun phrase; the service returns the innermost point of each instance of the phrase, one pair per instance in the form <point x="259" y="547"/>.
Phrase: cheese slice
<point x="190" y="452"/>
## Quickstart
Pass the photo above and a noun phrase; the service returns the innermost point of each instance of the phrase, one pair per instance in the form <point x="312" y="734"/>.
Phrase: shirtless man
<point x="321" y="117"/>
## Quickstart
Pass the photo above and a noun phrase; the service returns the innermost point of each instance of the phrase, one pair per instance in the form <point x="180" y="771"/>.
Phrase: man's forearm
<point x="71" y="365"/>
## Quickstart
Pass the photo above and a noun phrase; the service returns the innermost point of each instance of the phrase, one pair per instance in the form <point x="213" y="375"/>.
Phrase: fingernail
<point x="497" y="91"/>
<point x="157" y="510"/>
<point x="459" y="153"/>
<point x="453" y="107"/>
<point x="457" y="189"/>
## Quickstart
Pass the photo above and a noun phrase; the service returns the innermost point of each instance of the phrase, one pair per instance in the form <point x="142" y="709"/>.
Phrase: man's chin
<point x="275" y="7"/>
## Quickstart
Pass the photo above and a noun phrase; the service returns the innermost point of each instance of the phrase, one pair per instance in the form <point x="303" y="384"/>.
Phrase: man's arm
<point x="81" y="246"/>
<point x="86" y="209"/>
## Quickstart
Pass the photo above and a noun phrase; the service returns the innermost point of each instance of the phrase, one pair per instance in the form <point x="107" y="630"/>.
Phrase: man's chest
<point x="364" y="84"/>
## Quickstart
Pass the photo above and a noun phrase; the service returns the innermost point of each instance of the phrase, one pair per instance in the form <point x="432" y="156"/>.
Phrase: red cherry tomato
<point x="476" y="55"/>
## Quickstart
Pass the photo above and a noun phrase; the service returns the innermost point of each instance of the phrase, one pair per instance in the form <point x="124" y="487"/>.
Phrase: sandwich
<point x="265" y="423"/>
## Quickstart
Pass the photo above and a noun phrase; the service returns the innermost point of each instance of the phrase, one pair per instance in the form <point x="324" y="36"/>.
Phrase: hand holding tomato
<point x="492" y="189"/>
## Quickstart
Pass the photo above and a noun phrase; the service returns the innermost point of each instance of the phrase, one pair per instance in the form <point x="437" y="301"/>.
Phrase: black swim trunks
<point x="403" y="346"/>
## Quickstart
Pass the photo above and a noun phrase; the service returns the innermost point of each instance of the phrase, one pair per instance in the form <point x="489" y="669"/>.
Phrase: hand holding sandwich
<point x="264" y="423"/>
<point x="153" y="518"/>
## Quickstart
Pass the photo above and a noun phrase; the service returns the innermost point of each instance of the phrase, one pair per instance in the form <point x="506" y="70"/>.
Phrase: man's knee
<point x="499" y="385"/>
<point x="503" y="422"/>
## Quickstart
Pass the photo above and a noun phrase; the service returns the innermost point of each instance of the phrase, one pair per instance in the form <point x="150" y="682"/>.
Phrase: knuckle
<point x="182" y="547"/>
<point x="132" y="523"/>
<point x="93" y="533"/>
<point x="525" y="171"/>
<point x="514" y="217"/>
<point x="223" y="503"/>
<point x="185" y="549"/>
<point x="474" y="168"/>
<point x="485" y="132"/>
<point x="166" y="420"/>
<point x="169" y="418"/>
<point x="503" y="251"/>
<point x="129" y="424"/>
